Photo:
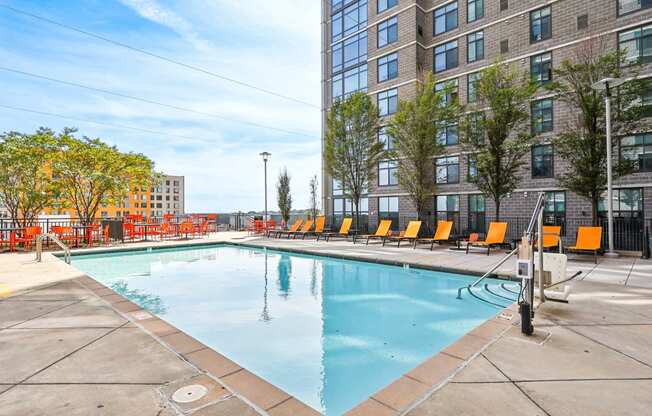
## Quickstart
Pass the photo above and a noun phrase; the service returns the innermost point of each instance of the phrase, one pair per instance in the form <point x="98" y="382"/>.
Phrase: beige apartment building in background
<point x="383" y="47"/>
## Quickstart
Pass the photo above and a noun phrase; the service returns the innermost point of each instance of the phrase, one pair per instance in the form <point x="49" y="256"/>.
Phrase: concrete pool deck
<point x="70" y="347"/>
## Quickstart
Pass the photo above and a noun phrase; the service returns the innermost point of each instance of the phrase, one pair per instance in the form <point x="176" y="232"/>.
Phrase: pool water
<point x="330" y="332"/>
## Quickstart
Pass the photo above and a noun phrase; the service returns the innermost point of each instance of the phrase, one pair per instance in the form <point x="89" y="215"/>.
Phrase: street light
<point x="265" y="156"/>
<point x="606" y="85"/>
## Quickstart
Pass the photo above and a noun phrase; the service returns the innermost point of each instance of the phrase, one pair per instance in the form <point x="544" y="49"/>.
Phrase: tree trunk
<point x="497" y="203"/>
<point x="594" y="209"/>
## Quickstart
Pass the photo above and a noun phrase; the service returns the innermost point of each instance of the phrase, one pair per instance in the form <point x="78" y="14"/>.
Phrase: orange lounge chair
<point x="411" y="234"/>
<point x="305" y="228"/>
<point x="28" y="236"/>
<point x="588" y="239"/>
<point x="342" y="233"/>
<point x="382" y="232"/>
<point x="551" y="234"/>
<point x="443" y="233"/>
<point x="320" y="223"/>
<point x="294" y="228"/>
<point x="495" y="237"/>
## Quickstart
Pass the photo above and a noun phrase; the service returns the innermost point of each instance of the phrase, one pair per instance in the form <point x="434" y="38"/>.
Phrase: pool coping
<point x="398" y="397"/>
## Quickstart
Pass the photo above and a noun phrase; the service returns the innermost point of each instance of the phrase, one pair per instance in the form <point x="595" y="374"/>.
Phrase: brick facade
<point x="511" y="27"/>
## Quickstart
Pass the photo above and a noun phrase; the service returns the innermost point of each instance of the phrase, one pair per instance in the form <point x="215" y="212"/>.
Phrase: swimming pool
<point x="329" y="332"/>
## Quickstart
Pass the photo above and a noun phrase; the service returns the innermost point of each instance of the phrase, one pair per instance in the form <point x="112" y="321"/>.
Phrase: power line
<point x="157" y="56"/>
<point x="101" y="123"/>
<point x="145" y="100"/>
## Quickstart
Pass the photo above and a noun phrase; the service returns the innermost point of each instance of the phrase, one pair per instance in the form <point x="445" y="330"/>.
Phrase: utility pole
<point x="265" y="156"/>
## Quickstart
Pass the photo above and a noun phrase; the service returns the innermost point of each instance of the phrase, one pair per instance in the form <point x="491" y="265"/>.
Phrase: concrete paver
<point x="13" y="313"/>
<point x="90" y="313"/>
<point x="593" y="397"/>
<point x="633" y="340"/>
<point x="26" y="351"/>
<point x="490" y="399"/>
<point x="126" y="355"/>
<point x="82" y="400"/>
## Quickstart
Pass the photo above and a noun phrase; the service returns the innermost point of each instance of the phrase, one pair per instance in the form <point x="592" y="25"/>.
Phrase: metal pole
<point x="610" y="219"/>
<point x="265" y="217"/>
<point x="542" y="297"/>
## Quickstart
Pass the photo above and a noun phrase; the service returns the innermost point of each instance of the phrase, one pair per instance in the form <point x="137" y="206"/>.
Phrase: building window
<point x="542" y="116"/>
<point x="388" y="32"/>
<point x="445" y="18"/>
<point x="477" y="211"/>
<point x="474" y="10"/>
<point x="387" y="102"/>
<point x="504" y="5"/>
<point x="504" y="46"/>
<point x="384" y="137"/>
<point x="582" y="22"/>
<point x="630" y="6"/>
<point x="472" y="167"/>
<point x="638" y="149"/>
<point x="447" y="208"/>
<point x="388" y="67"/>
<point x="627" y="203"/>
<point x="540" y="25"/>
<point x="471" y="86"/>
<point x="349" y="20"/>
<point x="387" y="173"/>
<point x="447" y="135"/>
<point x="386" y="4"/>
<point x="450" y="88"/>
<point x="554" y="210"/>
<point x="351" y="52"/>
<point x="637" y="44"/>
<point x="541" y="68"/>
<point x="349" y="82"/>
<point x="446" y="56"/>
<point x="475" y="127"/>
<point x="542" y="161"/>
<point x="475" y="46"/>
<point x="447" y="169"/>
<point x="388" y="210"/>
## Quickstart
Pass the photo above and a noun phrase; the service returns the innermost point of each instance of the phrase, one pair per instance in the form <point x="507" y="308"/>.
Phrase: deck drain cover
<point x="189" y="394"/>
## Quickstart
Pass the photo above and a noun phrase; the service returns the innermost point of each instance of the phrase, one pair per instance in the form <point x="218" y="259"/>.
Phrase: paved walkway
<point x="67" y="350"/>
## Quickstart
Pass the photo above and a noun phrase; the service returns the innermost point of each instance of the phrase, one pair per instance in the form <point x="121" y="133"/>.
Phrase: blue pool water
<point x="330" y="332"/>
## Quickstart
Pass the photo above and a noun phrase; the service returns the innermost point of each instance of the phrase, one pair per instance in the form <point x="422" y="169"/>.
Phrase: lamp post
<point x="606" y="85"/>
<point x="265" y="156"/>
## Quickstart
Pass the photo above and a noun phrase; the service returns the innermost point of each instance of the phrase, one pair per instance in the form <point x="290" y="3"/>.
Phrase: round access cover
<point x="188" y="394"/>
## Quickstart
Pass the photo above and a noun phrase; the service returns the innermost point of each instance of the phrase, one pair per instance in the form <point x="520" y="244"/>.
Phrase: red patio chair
<point x="28" y="236"/>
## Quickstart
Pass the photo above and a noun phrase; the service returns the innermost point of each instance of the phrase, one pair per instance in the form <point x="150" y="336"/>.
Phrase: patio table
<point x="12" y="236"/>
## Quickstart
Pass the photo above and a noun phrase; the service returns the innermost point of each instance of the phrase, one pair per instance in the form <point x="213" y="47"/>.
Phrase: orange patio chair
<point x="342" y="233"/>
<point x="411" y="234"/>
<point x="320" y="223"/>
<point x="495" y="237"/>
<point x="382" y="232"/>
<point x="294" y="228"/>
<point x="443" y="233"/>
<point x="28" y="236"/>
<point x="305" y="228"/>
<point x="551" y="236"/>
<point x="588" y="239"/>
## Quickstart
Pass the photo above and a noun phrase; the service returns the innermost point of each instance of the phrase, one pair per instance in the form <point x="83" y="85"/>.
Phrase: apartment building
<point x="382" y="47"/>
<point x="167" y="197"/>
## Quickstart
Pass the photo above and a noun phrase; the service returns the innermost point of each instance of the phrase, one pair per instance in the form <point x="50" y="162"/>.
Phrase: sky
<point x="272" y="45"/>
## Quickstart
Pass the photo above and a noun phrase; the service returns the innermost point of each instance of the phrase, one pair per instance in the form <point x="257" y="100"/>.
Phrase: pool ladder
<point x="39" y="246"/>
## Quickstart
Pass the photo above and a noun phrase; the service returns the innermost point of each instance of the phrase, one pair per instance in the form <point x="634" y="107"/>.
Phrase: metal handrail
<point x="53" y="237"/>
<point x="530" y="232"/>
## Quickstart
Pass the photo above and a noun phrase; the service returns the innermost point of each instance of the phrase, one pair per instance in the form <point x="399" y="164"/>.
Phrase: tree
<point x="415" y="128"/>
<point x="314" y="197"/>
<point x="90" y="173"/>
<point x="351" y="149"/>
<point x="283" y="195"/>
<point x="582" y="143"/>
<point x="500" y="137"/>
<point x="26" y="185"/>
